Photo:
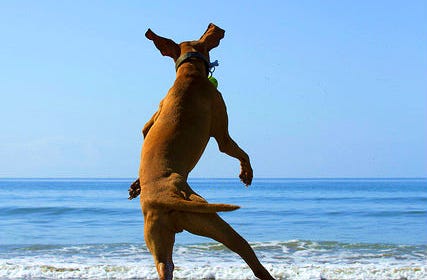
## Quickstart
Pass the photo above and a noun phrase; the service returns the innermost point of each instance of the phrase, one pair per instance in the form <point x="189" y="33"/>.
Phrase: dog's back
<point x="181" y="131"/>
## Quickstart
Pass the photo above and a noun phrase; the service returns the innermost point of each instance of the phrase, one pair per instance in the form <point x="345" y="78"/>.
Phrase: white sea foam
<point x="299" y="260"/>
<point x="211" y="271"/>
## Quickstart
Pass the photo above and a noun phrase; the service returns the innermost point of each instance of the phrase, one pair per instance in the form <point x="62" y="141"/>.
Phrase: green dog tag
<point x="213" y="81"/>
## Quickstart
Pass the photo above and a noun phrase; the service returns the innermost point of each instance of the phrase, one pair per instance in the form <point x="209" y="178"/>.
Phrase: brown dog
<point x="175" y="138"/>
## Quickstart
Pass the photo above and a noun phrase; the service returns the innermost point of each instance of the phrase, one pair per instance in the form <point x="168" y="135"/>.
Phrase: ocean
<point x="300" y="229"/>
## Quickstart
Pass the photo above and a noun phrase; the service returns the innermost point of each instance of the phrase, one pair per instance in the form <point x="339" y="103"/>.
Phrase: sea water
<point x="299" y="228"/>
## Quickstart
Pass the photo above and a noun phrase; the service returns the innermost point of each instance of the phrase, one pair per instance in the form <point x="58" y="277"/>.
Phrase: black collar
<point x="183" y="58"/>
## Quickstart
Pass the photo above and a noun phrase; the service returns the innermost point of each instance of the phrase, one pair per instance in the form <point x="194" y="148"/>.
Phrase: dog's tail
<point x="191" y="206"/>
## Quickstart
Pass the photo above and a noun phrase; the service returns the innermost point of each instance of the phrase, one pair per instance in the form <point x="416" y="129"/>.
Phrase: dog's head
<point x="167" y="47"/>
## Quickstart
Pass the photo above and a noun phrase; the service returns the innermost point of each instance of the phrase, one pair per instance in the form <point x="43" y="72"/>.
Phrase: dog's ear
<point x="167" y="47"/>
<point x="212" y="36"/>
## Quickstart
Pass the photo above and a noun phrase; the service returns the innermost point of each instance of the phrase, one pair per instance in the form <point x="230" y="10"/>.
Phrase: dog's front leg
<point x="150" y="123"/>
<point x="226" y="144"/>
<point x="135" y="188"/>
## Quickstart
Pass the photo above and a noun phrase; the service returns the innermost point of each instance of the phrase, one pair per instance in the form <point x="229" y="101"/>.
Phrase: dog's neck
<point x="194" y="58"/>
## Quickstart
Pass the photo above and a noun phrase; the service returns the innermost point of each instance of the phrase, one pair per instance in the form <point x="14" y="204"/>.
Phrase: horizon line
<point x="212" y="178"/>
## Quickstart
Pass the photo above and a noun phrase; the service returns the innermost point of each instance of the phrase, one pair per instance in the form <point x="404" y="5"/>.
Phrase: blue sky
<point x="313" y="88"/>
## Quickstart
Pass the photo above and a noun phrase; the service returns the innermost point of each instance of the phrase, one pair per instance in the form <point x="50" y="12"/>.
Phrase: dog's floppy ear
<point x="212" y="36"/>
<point x="167" y="47"/>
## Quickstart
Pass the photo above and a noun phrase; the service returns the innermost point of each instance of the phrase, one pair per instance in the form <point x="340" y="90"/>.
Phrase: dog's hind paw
<point x="134" y="190"/>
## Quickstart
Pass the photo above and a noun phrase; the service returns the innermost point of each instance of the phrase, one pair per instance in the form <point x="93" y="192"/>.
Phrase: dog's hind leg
<point x="160" y="240"/>
<point x="211" y="225"/>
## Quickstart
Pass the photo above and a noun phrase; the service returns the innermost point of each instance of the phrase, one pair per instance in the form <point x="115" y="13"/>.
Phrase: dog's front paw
<point x="246" y="173"/>
<point x="134" y="190"/>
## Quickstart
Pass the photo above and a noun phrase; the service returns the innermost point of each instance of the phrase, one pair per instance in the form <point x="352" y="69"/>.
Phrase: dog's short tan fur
<point x="175" y="138"/>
